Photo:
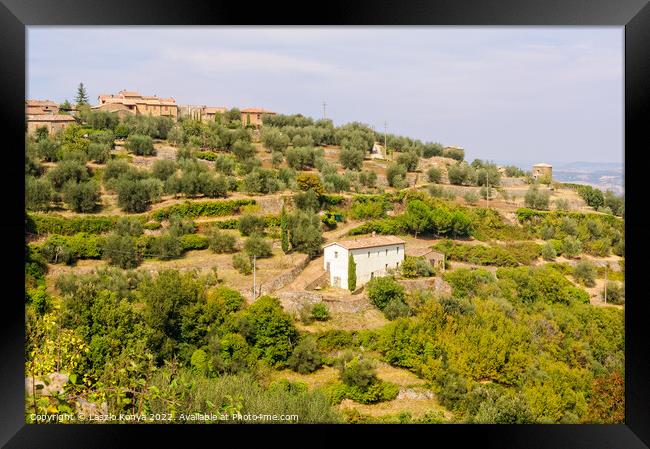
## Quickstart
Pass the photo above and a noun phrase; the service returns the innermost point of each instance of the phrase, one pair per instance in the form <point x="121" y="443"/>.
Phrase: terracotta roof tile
<point x="370" y="242"/>
<point x="50" y="118"/>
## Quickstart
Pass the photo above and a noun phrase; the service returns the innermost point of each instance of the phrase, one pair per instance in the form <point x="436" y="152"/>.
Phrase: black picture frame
<point x="634" y="15"/>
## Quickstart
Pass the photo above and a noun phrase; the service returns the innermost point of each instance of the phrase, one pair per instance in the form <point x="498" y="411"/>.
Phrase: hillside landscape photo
<point x="287" y="225"/>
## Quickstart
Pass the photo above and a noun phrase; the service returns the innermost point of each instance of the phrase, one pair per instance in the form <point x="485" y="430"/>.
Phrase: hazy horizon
<point x="502" y="93"/>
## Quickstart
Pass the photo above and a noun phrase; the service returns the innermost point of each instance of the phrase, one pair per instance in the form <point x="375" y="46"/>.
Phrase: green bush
<point x="163" y="169"/>
<point x="356" y="371"/>
<point x="548" y="251"/>
<point x="536" y="199"/>
<point x="615" y="293"/>
<point x="585" y="273"/>
<point x="221" y="242"/>
<point x="99" y="152"/>
<point x="82" y="197"/>
<point x="38" y="193"/>
<point x="376" y="392"/>
<point x="242" y="263"/>
<point x="120" y="250"/>
<point x="320" y="312"/>
<point x="194" y="242"/>
<point x="414" y="267"/>
<point x="140" y="145"/>
<point x="255" y="245"/>
<point x="166" y="247"/>
<point x="66" y="171"/>
<point x="251" y="224"/>
<point x="57" y="224"/>
<point x="396" y="308"/>
<point x="434" y="174"/>
<point x="306" y="357"/>
<point x="202" y="209"/>
<point x="67" y="249"/>
<point x="571" y="247"/>
<point x="381" y="290"/>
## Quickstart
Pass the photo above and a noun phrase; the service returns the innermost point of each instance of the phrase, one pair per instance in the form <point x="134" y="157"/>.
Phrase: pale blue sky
<point x="515" y="93"/>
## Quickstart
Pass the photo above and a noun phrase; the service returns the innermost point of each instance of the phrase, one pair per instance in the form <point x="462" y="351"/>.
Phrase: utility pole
<point x="385" y="139"/>
<point x="487" y="196"/>
<point x="324" y="110"/>
<point x="254" y="280"/>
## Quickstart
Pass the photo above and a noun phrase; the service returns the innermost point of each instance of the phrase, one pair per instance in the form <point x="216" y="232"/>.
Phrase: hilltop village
<point x="194" y="258"/>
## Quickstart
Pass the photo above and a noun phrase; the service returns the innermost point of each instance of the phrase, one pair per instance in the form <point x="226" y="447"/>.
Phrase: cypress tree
<point x="82" y="96"/>
<point x="352" y="273"/>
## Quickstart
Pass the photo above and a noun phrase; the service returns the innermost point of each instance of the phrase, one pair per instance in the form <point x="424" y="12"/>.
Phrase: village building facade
<point x="253" y="116"/>
<point x="142" y="104"/>
<point x="52" y="122"/>
<point x="202" y="113"/>
<point x="39" y="107"/>
<point x="374" y="257"/>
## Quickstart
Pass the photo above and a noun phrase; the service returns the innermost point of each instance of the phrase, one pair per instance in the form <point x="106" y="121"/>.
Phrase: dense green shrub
<point x="222" y="242"/>
<point x="536" y="199"/>
<point x="167" y="246"/>
<point x="120" y="250"/>
<point x="382" y="290"/>
<point x="255" y="245"/>
<point x="396" y="308"/>
<point x="194" y="242"/>
<point x="202" y="209"/>
<point x="99" y="152"/>
<point x="82" y="197"/>
<point x="38" y="193"/>
<point x="163" y="169"/>
<point x="67" y="249"/>
<point x="242" y="263"/>
<point x="414" y="267"/>
<point x="306" y="357"/>
<point x="140" y="145"/>
<point x="434" y="174"/>
<point x="615" y="293"/>
<point x="57" y="224"/>
<point x="320" y="312"/>
<point x="585" y="273"/>
<point x="67" y="171"/>
<point x="396" y="175"/>
<point x="251" y="224"/>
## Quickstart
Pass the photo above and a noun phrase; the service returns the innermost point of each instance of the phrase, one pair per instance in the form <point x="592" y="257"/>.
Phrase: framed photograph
<point x="379" y="217"/>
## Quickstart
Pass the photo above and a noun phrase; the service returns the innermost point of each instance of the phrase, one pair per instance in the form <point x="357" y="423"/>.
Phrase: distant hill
<point x="603" y="175"/>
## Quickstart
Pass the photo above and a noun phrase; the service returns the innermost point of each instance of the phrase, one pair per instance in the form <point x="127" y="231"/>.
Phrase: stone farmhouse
<point x="37" y="107"/>
<point x="53" y="122"/>
<point x="542" y="170"/>
<point x="45" y="114"/>
<point x="253" y="116"/>
<point x="138" y="104"/>
<point x="373" y="256"/>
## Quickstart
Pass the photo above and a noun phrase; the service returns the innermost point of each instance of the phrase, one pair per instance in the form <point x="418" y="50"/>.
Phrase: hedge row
<point x="206" y="155"/>
<point x="56" y="224"/>
<point x="202" y="209"/>
<point x="477" y="254"/>
<point x="233" y="223"/>
<point x="525" y="215"/>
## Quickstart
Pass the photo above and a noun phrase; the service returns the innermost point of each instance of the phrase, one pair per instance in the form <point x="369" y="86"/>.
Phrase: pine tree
<point x="82" y="96"/>
<point x="352" y="273"/>
<point x="284" y="231"/>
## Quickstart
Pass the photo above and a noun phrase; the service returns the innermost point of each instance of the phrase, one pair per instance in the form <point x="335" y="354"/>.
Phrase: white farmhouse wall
<point x="371" y="262"/>
<point x="374" y="262"/>
<point x="335" y="258"/>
